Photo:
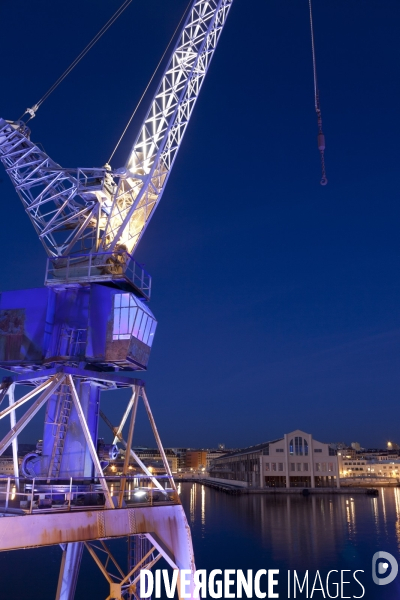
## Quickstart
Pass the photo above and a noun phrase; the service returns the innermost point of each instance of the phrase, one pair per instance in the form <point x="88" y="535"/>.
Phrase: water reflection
<point x="203" y="506"/>
<point x="299" y="532"/>
<point x="384" y="509"/>
<point x="193" y="494"/>
<point x="397" y="505"/>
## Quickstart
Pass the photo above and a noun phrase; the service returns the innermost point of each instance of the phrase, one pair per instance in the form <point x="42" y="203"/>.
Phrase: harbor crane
<point x="87" y="331"/>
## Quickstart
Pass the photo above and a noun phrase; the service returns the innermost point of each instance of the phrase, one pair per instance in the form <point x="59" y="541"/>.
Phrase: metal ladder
<point x="64" y="406"/>
<point x="72" y="341"/>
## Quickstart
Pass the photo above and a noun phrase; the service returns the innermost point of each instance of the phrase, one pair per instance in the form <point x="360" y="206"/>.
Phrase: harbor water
<point x="287" y="532"/>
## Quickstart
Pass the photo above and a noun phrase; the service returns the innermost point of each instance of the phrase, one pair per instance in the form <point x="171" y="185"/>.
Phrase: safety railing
<point x="89" y="179"/>
<point x="102" y="266"/>
<point x="21" y="496"/>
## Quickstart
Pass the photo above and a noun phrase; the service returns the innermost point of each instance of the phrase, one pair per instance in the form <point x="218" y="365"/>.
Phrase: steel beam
<point x="128" y="448"/>
<point x="30" y="413"/>
<point x="13" y="422"/>
<point x="30" y="377"/>
<point x="133" y="454"/>
<point x="4" y="387"/>
<point x="118" y="431"/>
<point x="69" y="571"/>
<point x="165" y="524"/>
<point x="28" y="396"/>
<point x="89" y="441"/>
<point x="158" y="439"/>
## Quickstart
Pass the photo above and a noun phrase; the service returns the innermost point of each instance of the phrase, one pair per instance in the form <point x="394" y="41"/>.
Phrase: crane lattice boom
<point x="154" y="151"/>
<point x="91" y="210"/>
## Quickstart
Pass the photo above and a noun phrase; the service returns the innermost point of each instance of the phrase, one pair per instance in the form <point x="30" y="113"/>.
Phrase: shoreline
<point x="242" y="491"/>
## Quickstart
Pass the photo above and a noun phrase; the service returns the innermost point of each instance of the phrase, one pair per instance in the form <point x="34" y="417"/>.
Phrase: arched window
<point x="298" y="446"/>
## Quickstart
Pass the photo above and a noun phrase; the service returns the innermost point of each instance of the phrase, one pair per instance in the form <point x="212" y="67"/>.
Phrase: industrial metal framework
<point x="156" y="146"/>
<point x="86" y="331"/>
<point x="59" y="512"/>
<point x="79" y="210"/>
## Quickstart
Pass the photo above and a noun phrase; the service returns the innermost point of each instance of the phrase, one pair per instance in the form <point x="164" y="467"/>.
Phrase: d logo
<point x="380" y="568"/>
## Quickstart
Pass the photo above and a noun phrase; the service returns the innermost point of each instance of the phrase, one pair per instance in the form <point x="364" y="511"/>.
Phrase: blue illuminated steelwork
<point x="91" y="324"/>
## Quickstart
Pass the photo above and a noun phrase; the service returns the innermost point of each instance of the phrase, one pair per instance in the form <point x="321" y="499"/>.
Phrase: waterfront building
<point x="379" y="455"/>
<point x="384" y="468"/>
<point x="152" y="456"/>
<point x="348" y="453"/>
<point x="149" y="456"/>
<point x="213" y="454"/>
<point x="374" y="468"/>
<point x="196" y="460"/>
<point x="180" y="456"/>
<point x="295" y="460"/>
<point x="191" y="459"/>
<point x="6" y="465"/>
<point x="350" y="466"/>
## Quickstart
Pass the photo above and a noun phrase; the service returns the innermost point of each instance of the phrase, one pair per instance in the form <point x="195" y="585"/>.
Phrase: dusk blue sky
<point x="277" y="298"/>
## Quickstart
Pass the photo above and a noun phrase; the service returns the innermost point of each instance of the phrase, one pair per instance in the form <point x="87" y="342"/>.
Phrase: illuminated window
<point x="273" y="466"/>
<point x="267" y="466"/>
<point x="133" y="318"/>
<point x="125" y="311"/>
<point x="298" y="446"/>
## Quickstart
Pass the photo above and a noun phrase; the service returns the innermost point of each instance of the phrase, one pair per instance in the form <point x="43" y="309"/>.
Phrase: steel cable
<point x="148" y="85"/>
<point x="321" y="136"/>
<point x="32" y="111"/>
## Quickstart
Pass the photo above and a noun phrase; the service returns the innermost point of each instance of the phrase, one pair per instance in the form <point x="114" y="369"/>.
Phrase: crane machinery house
<point x="96" y="324"/>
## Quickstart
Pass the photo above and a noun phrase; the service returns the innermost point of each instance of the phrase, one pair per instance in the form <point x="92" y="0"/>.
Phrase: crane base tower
<point x="84" y="511"/>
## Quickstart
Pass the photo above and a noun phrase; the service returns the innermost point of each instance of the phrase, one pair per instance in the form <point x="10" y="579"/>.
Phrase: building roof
<point x="248" y="450"/>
